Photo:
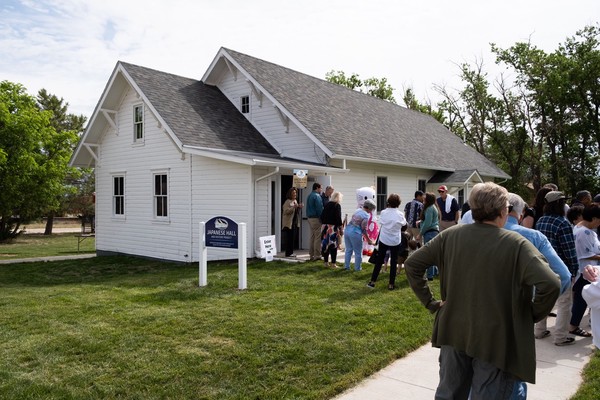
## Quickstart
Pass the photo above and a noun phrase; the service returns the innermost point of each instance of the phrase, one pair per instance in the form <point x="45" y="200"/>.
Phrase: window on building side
<point x="422" y="185"/>
<point x="160" y="195"/>
<point x="245" y="104"/>
<point x="381" y="192"/>
<point x="118" y="195"/>
<point x="138" y="123"/>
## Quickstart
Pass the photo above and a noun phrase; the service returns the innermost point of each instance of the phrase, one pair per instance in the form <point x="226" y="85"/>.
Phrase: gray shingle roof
<point x="198" y="114"/>
<point x="354" y="124"/>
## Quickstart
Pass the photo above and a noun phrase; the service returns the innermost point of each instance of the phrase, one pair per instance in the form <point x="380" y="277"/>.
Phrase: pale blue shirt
<point x="541" y="242"/>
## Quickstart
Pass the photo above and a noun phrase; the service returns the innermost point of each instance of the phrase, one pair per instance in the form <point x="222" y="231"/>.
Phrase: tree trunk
<point x="49" y="224"/>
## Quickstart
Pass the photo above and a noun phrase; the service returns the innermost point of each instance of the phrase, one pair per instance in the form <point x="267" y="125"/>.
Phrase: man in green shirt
<point x="484" y="322"/>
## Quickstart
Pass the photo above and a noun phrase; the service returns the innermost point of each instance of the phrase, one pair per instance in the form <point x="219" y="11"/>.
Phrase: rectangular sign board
<point x="221" y="232"/>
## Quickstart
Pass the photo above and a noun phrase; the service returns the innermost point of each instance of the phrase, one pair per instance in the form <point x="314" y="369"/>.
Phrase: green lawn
<point x="38" y="245"/>
<point x="120" y="327"/>
<point x="128" y="328"/>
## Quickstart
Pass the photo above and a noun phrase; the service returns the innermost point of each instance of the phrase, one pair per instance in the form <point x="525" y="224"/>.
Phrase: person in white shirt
<point x="391" y="221"/>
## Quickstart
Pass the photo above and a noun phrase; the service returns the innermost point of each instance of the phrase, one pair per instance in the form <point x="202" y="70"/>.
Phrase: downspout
<point x="254" y="213"/>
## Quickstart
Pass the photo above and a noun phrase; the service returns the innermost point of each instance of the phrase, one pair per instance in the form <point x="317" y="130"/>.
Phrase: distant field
<point x="58" y="223"/>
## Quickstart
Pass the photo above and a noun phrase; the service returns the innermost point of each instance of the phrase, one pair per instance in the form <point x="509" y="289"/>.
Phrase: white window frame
<point x="243" y="104"/>
<point x="158" y="199"/>
<point x="139" y="127"/>
<point x="117" y="196"/>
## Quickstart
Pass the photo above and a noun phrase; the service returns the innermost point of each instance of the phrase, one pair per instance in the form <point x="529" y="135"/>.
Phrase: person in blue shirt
<point x="538" y="239"/>
<point x="314" y="208"/>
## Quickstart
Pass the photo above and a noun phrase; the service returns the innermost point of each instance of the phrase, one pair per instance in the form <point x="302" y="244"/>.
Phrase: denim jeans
<point x="427" y="236"/>
<point x="353" y="241"/>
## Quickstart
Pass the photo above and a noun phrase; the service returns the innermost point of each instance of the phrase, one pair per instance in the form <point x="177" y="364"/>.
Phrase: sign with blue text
<point x="221" y="232"/>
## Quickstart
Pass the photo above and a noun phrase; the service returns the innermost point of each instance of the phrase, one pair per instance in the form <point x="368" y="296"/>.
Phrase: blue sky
<point x="70" y="47"/>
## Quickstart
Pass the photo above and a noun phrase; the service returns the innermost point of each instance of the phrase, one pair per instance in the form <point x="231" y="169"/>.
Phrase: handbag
<point x="375" y="254"/>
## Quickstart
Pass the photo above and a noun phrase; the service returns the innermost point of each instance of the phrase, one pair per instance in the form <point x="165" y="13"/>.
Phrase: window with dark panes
<point x="160" y="195"/>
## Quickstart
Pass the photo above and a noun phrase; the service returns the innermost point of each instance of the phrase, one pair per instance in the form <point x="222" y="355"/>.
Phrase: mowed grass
<point x="39" y="245"/>
<point x="129" y="328"/>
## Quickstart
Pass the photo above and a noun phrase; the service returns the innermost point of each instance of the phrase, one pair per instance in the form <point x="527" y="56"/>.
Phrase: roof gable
<point x="193" y="114"/>
<point x="352" y="124"/>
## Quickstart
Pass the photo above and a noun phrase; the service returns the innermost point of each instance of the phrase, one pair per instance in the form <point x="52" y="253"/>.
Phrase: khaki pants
<point x="314" y="250"/>
<point x="563" y="317"/>
<point x="446" y="224"/>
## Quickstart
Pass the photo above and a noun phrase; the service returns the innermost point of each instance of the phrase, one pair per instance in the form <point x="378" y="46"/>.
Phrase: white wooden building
<point x="170" y="152"/>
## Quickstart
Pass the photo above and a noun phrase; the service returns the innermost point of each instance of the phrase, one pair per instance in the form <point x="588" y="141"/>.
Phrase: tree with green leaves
<point x="33" y="159"/>
<point x="376" y="87"/>
<point x="67" y="126"/>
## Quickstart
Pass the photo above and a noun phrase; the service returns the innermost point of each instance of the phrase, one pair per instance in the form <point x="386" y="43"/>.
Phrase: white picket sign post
<point x="242" y="251"/>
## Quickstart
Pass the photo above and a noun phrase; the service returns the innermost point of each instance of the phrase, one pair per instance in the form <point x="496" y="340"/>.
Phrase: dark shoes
<point x="580" y="332"/>
<point x="566" y="342"/>
<point x="371" y="285"/>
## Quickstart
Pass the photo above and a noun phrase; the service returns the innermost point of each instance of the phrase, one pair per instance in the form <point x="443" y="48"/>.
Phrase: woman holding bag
<point x="391" y="221"/>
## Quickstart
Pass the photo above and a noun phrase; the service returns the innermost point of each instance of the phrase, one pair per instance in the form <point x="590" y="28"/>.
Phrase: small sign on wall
<point x="300" y="179"/>
<point x="268" y="248"/>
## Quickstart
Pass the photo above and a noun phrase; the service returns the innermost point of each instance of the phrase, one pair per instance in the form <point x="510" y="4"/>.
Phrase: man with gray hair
<point x="537" y="238"/>
<point x="484" y="326"/>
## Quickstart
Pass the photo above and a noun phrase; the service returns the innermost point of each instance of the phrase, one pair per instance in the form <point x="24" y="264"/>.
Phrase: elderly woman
<point x="331" y="230"/>
<point x="391" y="221"/>
<point x="354" y="233"/>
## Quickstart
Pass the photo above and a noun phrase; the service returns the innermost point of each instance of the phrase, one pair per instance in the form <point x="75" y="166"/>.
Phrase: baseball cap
<point x="443" y="188"/>
<point x="554" y="196"/>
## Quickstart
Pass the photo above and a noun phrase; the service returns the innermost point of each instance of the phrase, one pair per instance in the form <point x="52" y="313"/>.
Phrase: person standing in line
<point x="290" y="220"/>
<point x="326" y="195"/>
<point x="314" y="208"/>
<point x="429" y="226"/>
<point x="448" y="206"/>
<point x="331" y="229"/>
<point x="516" y="212"/>
<point x="391" y="221"/>
<point x="559" y="232"/>
<point x="587" y="247"/>
<point x="481" y="356"/>
<point x="412" y="213"/>
<point x="354" y="233"/>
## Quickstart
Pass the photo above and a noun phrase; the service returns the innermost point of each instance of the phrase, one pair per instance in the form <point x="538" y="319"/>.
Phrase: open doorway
<point x="286" y="183"/>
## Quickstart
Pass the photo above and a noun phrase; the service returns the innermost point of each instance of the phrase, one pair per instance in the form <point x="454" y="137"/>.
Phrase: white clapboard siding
<point x="138" y="232"/>
<point x="221" y="188"/>
<point x="400" y="180"/>
<point x="293" y="144"/>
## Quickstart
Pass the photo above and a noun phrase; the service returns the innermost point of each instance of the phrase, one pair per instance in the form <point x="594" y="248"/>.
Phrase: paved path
<point x="416" y="377"/>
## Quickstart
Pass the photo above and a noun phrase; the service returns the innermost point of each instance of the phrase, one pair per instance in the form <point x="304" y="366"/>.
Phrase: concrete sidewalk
<point x="415" y="376"/>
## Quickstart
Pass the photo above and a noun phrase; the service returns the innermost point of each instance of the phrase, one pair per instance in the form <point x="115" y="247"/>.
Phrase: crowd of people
<point x="543" y="261"/>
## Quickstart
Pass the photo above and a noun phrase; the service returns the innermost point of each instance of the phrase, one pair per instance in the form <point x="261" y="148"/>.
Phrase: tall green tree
<point x="376" y="87"/>
<point x="67" y="127"/>
<point x="33" y="159"/>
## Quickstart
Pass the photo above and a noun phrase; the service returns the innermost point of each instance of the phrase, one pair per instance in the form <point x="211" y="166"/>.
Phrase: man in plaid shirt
<point x="560" y="234"/>
<point x="412" y="212"/>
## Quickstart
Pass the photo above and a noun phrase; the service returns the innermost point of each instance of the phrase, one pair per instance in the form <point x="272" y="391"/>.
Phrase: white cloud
<point x="70" y="47"/>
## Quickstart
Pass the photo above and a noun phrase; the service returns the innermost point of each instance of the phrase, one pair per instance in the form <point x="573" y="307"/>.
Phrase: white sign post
<point x="242" y="263"/>
<point x="223" y="240"/>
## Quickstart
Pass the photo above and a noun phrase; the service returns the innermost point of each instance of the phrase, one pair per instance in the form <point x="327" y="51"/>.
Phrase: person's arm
<point x="457" y="212"/>
<point x="591" y="273"/>
<point x="427" y="223"/>
<point x="556" y="264"/>
<point x="538" y="274"/>
<point x="566" y="241"/>
<point x="415" y="266"/>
